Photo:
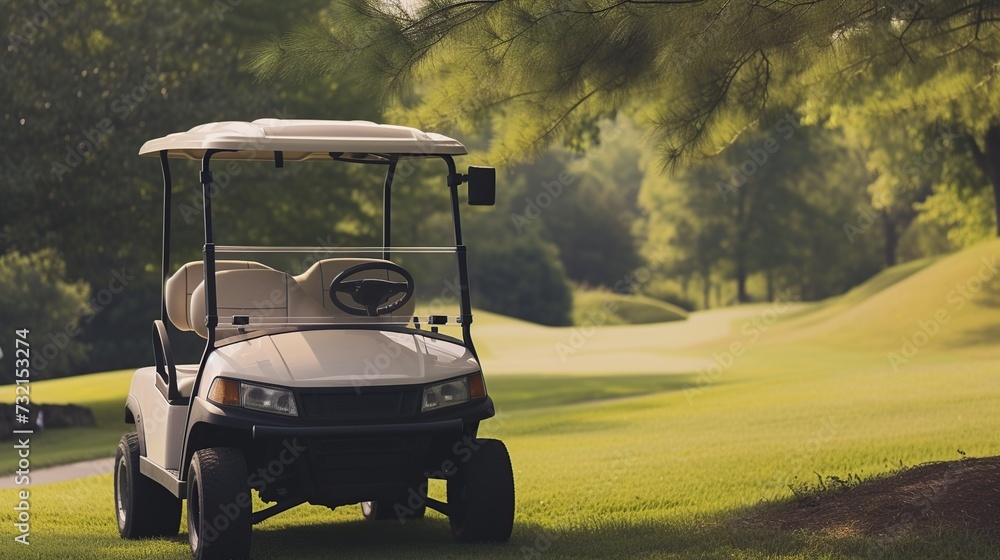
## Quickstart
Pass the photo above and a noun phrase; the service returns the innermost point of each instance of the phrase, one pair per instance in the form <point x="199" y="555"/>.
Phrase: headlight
<point x="267" y="399"/>
<point x="456" y="391"/>
<point x="253" y="397"/>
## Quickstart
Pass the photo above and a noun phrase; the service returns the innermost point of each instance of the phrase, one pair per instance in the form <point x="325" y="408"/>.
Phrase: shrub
<point x="521" y="277"/>
<point x="35" y="295"/>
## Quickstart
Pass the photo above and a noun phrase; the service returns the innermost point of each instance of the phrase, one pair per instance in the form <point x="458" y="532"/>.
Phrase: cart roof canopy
<point x="299" y="140"/>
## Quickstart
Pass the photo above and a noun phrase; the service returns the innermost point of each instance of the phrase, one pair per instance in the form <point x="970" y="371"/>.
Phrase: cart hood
<point x="348" y="358"/>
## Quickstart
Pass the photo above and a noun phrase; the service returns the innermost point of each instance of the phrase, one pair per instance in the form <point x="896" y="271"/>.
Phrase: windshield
<point x="285" y="285"/>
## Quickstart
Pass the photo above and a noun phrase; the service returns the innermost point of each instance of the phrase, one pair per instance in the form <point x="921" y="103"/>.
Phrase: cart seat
<point x="182" y="284"/>
<point x="316" y="283"/>
<point x="254" y="293"/>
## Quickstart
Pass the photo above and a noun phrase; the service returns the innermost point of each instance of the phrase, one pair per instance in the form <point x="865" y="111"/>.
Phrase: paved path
<point x="63" y="472"/>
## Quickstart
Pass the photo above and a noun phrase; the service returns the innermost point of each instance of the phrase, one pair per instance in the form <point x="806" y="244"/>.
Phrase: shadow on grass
<point x="988" y="297"/>
<point x="606" y="538"/>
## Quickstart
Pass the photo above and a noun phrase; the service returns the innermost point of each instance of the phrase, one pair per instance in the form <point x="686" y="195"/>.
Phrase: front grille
<point x="364" y="453"/>
<point x="366" y="460"/>
<point x="365" y="403"/>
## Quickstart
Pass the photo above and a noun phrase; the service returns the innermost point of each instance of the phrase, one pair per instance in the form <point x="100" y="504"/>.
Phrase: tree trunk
<point x="993" y="165"/>
<point x="741" y="278"/>
<point x="988" y="159"/>
<point x="891" y="238"/>
<point x="741" y="248"/>
<point x="706" y="293"/>
<point x="770" y="284"/>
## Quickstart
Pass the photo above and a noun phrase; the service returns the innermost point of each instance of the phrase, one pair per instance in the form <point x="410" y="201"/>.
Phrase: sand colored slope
<point x="511" y="346"/>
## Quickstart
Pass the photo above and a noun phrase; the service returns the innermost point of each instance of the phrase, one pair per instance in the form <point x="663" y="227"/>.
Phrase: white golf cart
<point x="318" y="383"/>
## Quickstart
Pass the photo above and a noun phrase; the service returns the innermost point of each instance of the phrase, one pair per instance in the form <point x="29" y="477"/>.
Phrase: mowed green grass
<point x="630" y="464"/>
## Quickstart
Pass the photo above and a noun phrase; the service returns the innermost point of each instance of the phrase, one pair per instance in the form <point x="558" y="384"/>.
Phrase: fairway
<point x="633" y="462"/>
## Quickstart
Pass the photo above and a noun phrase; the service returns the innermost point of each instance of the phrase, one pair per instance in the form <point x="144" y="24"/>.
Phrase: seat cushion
<point x="181" y="285"/>
<point x="253" y="293"/>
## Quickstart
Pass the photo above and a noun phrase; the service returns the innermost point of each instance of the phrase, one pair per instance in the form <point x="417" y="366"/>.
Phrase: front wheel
<point x="481" y="494"/>
<point x="220" y="517"/>
<point x="143" y="507"/>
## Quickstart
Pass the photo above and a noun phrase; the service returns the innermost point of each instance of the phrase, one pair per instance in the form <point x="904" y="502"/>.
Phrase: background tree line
<point x="753" y="146"/>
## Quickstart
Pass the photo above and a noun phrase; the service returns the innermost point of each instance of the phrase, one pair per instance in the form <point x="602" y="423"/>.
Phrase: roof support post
<point x="463" y="264"/>
<point x="165" y="260"/>
<point x="387" y="209"/>
<point x="211" y="307"/>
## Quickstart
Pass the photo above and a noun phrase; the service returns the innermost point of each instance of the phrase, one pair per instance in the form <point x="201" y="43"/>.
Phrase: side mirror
<point x="482" y="186"/>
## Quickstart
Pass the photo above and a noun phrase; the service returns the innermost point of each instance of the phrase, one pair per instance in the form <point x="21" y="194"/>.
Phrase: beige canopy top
<point x="303" y="139"/>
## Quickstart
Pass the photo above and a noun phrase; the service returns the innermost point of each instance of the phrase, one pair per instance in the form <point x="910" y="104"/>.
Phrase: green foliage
<point x="704" y="70"/>
<point x="84" y="91"/>
<point x="584" y="208"/>
<point x="521" y="277"/>
<point x="965" y="219"/>
<point x="774" y="204"/>
<point x="34" y="295"/>
<point x="671" y="291"/>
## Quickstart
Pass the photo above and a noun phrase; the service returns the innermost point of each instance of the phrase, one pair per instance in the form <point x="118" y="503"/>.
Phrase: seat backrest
<point x="316" y="283"/>
<point x="181" y="285"/>
<point x="254" y="293"/>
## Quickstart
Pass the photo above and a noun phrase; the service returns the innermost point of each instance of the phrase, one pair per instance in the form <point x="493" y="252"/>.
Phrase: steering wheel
<point x="371" y="294"/>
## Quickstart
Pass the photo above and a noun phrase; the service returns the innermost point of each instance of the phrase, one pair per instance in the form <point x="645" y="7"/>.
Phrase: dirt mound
<point x="962" y="494"/>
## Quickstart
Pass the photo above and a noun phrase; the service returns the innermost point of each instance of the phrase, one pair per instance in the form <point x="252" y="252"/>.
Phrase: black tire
<point x="481" y="494"/>
<point x="220" y="510"/>
<point x="143" y="508"/>
<point x="386" y="510"/>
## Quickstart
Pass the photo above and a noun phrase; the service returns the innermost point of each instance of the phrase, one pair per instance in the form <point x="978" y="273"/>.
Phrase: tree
<point x="705" y="71"/>
<point x="83" y="85"/>
<point x="584" y="211"/>
<point x="931" y="105"/>
<point x="904" y="160"/>
<point x="773" y="205"/>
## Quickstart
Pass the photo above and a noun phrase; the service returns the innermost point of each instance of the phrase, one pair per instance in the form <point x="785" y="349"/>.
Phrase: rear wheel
<point x="481" y="494"/>
<point x="220" y="517"/>
<point x="143" y="507"/>
<point x="408" y="505"/>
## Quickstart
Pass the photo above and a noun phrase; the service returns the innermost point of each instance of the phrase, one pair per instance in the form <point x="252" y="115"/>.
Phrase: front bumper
<point x="455" y="426"/>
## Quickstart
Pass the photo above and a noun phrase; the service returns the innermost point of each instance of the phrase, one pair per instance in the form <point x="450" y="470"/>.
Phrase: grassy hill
<point x="945" y="304"/>
<point x="621" y="309"/>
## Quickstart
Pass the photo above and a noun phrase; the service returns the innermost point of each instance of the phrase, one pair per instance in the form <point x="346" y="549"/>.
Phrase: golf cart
<point x="319" y="383"/>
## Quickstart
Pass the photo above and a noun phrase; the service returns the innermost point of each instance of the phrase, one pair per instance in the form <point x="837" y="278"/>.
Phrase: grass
<point x="607" y="308"/>
<point x="632" y="460"/>
<point x="104" y="394"/>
